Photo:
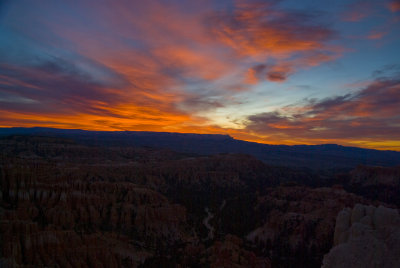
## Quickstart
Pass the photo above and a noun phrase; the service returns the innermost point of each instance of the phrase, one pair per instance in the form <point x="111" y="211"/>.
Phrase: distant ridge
<point x="325" y="156"/>
<point x="59" y="131"/>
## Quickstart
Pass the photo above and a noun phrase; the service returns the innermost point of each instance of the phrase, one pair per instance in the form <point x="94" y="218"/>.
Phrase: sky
<point x="276" y="72"/>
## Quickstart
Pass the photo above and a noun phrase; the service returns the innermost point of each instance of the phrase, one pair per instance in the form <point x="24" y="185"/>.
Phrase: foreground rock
<point x="298" y="223"/>
<point x="365" y="236"/>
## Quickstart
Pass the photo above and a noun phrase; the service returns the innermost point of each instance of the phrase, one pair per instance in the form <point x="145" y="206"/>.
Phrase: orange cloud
<point x="376" y="35"/>
<point x="194" y="63"/>
<point x="394" y="6"/>
<point x="251" y="77"/>
<point x="284" y="41"/>
<point x="262" y="31"/>
<point x="279" y="73"/>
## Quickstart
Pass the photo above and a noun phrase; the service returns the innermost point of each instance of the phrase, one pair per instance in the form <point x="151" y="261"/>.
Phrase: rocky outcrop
<point x="377" y="183"/>
<point x="298" y="222"/>
<point x="375" y="176"/>
<point x="84" y="224"/>
<point x="365" y="236"/>
<point x="230" y="253"/>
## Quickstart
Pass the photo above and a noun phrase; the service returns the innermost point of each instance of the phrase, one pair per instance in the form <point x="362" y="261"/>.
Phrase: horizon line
<point x="193" y="133"/>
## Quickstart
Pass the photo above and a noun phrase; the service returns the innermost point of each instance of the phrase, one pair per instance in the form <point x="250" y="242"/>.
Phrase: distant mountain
<point x="324" y="156"/>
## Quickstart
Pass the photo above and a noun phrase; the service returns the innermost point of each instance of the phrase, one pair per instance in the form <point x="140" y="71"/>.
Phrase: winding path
<point x="206" y="223"/>
<point x="207" y="219"/>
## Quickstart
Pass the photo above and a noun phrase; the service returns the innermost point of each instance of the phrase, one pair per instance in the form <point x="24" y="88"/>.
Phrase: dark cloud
<point x="273" y="73"/>
<point x="200" y="103"/>
<point x="394" y="5"/>
<point x="276" y="76"/>
<point x="328" y="103"/>
<point x="55" y="85"/>
<point x="259" y="69"/>
<point x="388" y="70"/>
<point x="373" y="112"/>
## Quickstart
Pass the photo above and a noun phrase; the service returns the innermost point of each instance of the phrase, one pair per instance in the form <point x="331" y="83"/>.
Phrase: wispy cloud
<point x="371" y="113"/>
<point x="284" y="40"/>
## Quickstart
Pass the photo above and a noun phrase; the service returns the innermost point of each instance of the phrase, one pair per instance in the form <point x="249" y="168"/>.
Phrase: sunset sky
<point x="277" y="72"/>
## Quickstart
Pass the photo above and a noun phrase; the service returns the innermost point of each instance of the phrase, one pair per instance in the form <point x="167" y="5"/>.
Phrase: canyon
<point x="71" y="204"/>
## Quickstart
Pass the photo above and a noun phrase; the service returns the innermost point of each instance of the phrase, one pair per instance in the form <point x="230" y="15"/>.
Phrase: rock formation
<point x="378" y="183"/>
<point x="365" y="236"/>
<point x="64" y="204"/>
<point x="230" y="253"/>
<point x="299" y="222"/>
